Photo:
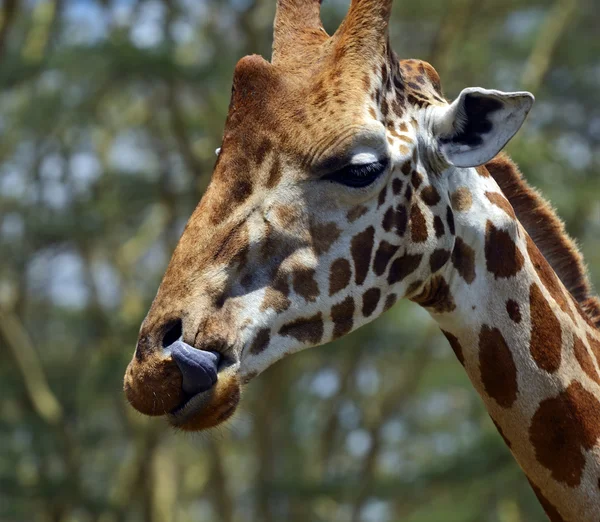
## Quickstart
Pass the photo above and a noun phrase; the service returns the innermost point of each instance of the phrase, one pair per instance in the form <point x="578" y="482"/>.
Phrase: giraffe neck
<point x="528" y="348"/>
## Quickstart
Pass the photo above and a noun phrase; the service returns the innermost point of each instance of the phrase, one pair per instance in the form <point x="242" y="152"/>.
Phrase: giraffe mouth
<point x="211" y="407"/>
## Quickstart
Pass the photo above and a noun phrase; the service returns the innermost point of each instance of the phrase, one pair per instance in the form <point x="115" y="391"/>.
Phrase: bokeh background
<point x="110" y="112"/>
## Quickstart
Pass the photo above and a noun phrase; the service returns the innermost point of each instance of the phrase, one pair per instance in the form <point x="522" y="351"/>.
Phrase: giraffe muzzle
<point x="210" y="385"/>
<point x="198" y="367"/>
<point x="195" y="389"/>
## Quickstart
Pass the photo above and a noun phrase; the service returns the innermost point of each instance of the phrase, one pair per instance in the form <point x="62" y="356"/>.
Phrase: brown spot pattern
<point x="416" y="179"/>
<point x="323" y="236"/>
<point x="418" y="225"/>
<point x="370" y="301"/>
<point x="361" y="248"/>
<point x="388" y="219"/>
<point x="463" y="259"/>
<point x="356" y="212"/>
<point x="384" y="253"/>
<point x="456" y="347"/>
<point x="430" y="196"/>
<point x="438" y="226"/>
<point x="390" y="301"/>
<point x="339" y="275"/>
<point x="403" y="266"/>
<point x="500" y="201"/>
<point x="436" y="296"/>
<point x="276" y="295"/>
<point x="401" y="220"/>
<point x="545" y="228"/>
<point x="381" y="197"/>
<point x="305" y="329"/>
<point x="413" y="287"/>
<point x="497" y="367"/>
<point x="546" y="335"/>
<point x="548" y="277"/>
<point x="595" y="346"/>
<point x="261" y="341"/>
<point x="482" y="171"/>
<point x="342" y="315"/>
<point x="438" y="259"/>
<point x="514" y="312"/>
<point x="461" y="199"/>
<point x="585" y="360"/>
<point x="561" y="428"/>
<point x="503" y="258"/>
<point x="305" y="284"/>
<point x="450" y="220"/>
<point x="397" y="186"/>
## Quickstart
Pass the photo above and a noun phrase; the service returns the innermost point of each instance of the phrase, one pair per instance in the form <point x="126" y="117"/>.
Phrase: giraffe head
<point x="326" y="205"/>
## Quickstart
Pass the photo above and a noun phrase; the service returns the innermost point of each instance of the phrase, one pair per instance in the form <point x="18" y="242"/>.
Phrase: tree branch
<point x="451" y="32"/>
<point x="331" y="424"/>
<point x="7" y="16"/>
<point x="390" y="404"/>
<point x="550" y="33"/>
<point x="17" y="340"/>
<point x="223" y="500"/>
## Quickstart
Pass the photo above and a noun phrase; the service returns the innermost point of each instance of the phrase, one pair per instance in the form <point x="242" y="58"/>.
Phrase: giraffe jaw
<point x="209" y="408"/>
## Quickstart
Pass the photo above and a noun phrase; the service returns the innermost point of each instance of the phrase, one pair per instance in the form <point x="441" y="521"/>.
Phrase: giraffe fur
<point x="290" y="248"/>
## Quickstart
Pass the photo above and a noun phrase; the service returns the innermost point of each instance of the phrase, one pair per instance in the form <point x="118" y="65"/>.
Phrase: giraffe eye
<point x="358" y="176"/>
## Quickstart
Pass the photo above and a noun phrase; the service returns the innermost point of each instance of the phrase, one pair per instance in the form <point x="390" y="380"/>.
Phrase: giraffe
<point x="346" y="181"/>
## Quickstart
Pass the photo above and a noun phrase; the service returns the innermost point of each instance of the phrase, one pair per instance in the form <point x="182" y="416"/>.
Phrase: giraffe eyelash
<point x="358" y="176"/>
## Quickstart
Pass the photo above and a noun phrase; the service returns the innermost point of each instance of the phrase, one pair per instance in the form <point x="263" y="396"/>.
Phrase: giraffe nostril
<point x="173" y="331"/>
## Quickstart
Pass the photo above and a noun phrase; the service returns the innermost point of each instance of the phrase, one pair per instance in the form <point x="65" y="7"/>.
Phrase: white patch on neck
<point x="218" y="151"/>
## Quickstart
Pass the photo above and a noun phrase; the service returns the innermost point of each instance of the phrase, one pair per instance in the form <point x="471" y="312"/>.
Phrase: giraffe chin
<point x="209" y="408"/>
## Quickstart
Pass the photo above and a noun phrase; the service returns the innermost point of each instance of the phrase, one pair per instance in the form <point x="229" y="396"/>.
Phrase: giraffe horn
<point x="364" y="32"/>
<point x="297" y="26"/>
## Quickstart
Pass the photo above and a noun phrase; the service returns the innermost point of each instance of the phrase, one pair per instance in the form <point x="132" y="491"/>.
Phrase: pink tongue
<point x="198" y="367"/>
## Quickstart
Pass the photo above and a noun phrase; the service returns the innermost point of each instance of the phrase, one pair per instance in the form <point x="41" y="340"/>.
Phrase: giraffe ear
<point x="479" y="123"/>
